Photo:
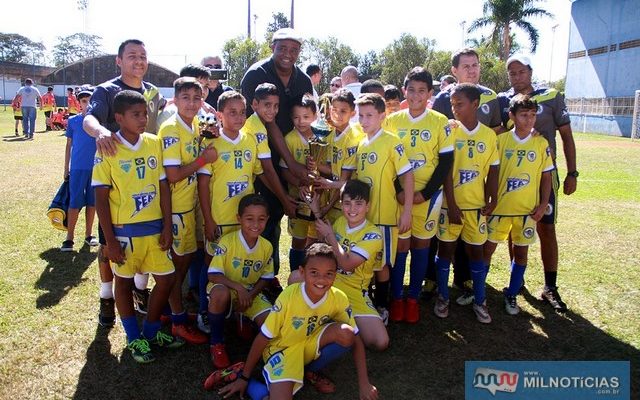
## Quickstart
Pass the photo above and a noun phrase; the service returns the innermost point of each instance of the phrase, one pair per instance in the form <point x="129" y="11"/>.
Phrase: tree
<point x="76" y="47"/>
<point x="279" y="21"/>
<point x="501" y="15"/>
<point x="439" y="64"/>
<point x="403" y="54"/>
<point x="239" y="54"/>
<point x="370" y="67"/>
<point x="330" y="55"/>
<point x="18" y="48"/>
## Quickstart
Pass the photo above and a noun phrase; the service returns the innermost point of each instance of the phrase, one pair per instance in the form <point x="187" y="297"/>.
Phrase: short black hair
<point x="126" y="42"/>
<point x="265" y="90"/>
<point x="69" y="89"/>
<point x="522" y="102"/>
<point x="252" y="199"/>
<point x="469" y="90"/>
<point x="319" y="250"/>
<point x="346" y="96"/>
<point x="312" y="69"/>
<point x="356" y="189"/>
<point x="28" y="81"/>
<point x="229" y="95"/>
<point x="195" y="71"/>
<point x="372" y="99"/>
<point x="391" y="92"/>
<point x="125" y="99"/>
<point x="419" y="74"/>
<point x="186" y="83"/>
<point x="50" y="89"/>
<point x="448" y="78"/>
<point x="305" y="101"/>
<point x="372" y="86"/>
<point x="466" y="51"/>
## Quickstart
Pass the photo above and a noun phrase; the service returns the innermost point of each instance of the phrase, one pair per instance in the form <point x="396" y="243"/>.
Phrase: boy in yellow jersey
<point x="470" y="195"/>
<point x="17" y="112"/>
<point x="309" y="326"/>
<point x="133" y="202"/>
<point x="341" y="157"/>
<point x="427" y="140"/>
<point x="524" y="187"/>
<point x="48" y="106"/>
<point x="240" y="269"/>
<point x="380" y="160"/>
<point x="297" y="141"/>
<point x="73" y="103"/>
<point x="357" y="244"/>
<point x="180" y="147"/>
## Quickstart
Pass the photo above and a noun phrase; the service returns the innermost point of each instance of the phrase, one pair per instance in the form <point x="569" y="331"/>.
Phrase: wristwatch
<point x="574" y="174"/>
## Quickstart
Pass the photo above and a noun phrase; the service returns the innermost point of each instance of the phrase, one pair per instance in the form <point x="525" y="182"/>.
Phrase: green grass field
<point x="52" y="348"/>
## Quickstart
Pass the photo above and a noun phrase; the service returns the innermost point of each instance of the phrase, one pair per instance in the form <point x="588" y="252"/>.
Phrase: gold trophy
<point x="316" y="150"/>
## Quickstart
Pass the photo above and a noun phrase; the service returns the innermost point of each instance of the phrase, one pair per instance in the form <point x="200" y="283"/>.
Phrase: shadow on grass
<point x="425" y="361"/>
<point x="63" y="272"/>
<point x="14" y="138"/>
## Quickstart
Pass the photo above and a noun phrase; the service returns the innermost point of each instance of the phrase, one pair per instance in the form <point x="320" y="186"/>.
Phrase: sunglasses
<point x="335" y="85"/>
<point x="214" y="66"/>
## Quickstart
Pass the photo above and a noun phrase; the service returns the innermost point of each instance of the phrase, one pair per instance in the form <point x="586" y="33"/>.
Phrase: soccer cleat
<point x="189" y="333"/>
<point x="107" y="315"/>
<point x="167" y="341"/>
<point x="91" y="241"/>
<point x="223" y="376"/>
<point x="67" y="246"/>
<point x="551" y="296"/>
<point x="397" y="310"/>
<point x="219" y="356"/>
<point x="441" y="308"/>
<point x="511" y="305"/>
<point x="384" y="314"/>
<point x="412" y="311"/>
<point x="141" y="300"/>
<point x="482" y="312"/>
<point x="320" y="382"/>
<point x="140" y="351"/>
<point x="203" y="322"/>
<point x="429" y="290"/>
<point x="467" y="295"/>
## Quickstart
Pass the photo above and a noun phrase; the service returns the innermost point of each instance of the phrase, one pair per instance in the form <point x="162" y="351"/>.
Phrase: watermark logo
<point x="495" y="380"/>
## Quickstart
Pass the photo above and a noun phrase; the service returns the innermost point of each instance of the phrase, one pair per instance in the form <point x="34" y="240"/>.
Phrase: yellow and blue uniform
<point x="232" y="176"/>
<point x="133" y="177"/>
<point x="179" y="148"/>
<point x="246" y="265"/>
<point x="424" y="138"/>
<point x="253" y="126"/>
<point x="379" y="161"/>
<point x="475" y="152"/>
<point x="295" y="326"/>
<point x="298" y="145"/>
<point x="364" y="240"/>
<point x="522" y="163"/>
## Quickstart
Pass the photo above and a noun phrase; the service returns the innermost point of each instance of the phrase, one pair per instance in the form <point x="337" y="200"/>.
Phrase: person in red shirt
<point x="48" y="106"/>
<point x="72" y="103"/>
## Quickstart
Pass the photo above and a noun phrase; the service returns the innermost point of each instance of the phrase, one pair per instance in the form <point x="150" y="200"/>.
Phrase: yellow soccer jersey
<point x="522" y="162"/>
<point x="133" y="176"/>
<point x="475" y="151"/>
<point x="180" y="147"/>
<point x="364" y="240"/>
<point x="254" y="127"/>
<point x="425" y="138"/>
<point x="294" y="317"/>
<point x="298" y="145"/>
<point x="343" y="148"/>
<point x="237" y="261"/>
<point x="379" y="161"/>
<point x="232" y="174"/>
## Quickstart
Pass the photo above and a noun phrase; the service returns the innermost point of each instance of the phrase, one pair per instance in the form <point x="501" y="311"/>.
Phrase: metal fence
<point x="605" y="106"/>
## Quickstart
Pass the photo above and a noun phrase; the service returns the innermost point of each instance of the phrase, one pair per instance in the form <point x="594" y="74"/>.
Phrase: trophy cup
<point x="316" y="150"/>
<point x="208" y="125"/>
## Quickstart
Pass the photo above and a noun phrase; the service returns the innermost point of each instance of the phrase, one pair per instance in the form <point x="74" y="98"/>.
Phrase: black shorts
<point x="47" y="114"/>
<point x="17" y="117"/>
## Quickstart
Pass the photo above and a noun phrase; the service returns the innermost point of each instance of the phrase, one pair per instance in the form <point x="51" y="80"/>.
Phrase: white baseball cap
<point x="522" y="59"/>
<point x="287" y="33"/>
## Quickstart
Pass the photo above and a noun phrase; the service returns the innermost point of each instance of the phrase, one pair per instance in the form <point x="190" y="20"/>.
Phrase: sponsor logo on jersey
<point x="297" y="322"/>
<point x="152" y="161"/>
<point x="416" y="164"/>
<point x="169" y="141"/>
<point x="235" y="263"/>
<point x="402" y="133"/>
<point x="226" y="156"/>
<point x="143" y="199"/>
<point x="516" y="183"/>
<point x="97" y="160"/>
<point x="371" y="236"/>
<point x="400" y="149"/>
<point x="460" y="143"/>
<point x="447" y="130"/>
<point x="508" y="153"/>
<point x="485" y="108"/>
<point x="125" y="165"/>
<point x="218" y="249"/>
<point x="236" y="188"/>
<point x="466" y="176"/>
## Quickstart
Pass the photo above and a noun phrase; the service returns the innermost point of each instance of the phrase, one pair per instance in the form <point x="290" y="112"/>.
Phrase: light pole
<point x="462" y="25"/>
<point x="553" y="39"/>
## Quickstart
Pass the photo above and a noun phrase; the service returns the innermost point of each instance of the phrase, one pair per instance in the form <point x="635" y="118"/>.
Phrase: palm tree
<point x="502" y="14"/>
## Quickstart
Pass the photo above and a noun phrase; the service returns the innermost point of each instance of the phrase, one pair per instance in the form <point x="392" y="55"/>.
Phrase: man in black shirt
<point x="216" y="88"/>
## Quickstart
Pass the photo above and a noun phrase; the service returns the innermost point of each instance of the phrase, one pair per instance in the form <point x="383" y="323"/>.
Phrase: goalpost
<point x="635" y="126"/>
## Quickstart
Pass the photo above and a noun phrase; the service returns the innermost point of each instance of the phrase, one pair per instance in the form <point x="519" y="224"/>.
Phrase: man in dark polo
<point x="280" y="69"/>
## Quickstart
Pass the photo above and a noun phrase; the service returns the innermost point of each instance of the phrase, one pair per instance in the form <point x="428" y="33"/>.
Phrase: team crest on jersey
<point x="516" y="183"/>
<point x="261" y="137"/>
<point x="481" y="147"/>
<point x="125" y="165"/>
<point x="482" y="228"/>
<point x="324" y="319"/>
<point x="152" y="161"/>
<point x="531" y="156"/>
<point x="460" y="144"/>
<point x="466" y="176"/>
<point x="372" y="158"/>
<point x="169" y="141"/>
<point x="257" y="265"/>
<point x="97" y="160"/>
<point x="371" y="236"/>
<point x="144" y="199"/>
<point x="235" y="263"/>
<point x="485" y="108"/>
<point x="297" y="322"/>
<point x="425" y="135"/>
<point x="430" y="225"/>
<point x="226" y="156"/>
<point x="508" y="153"/>
<point x="528" y="232"/>
<point x="352" y="150"/>
<point x="236" y="188"/>
<point x="400" y="149"/>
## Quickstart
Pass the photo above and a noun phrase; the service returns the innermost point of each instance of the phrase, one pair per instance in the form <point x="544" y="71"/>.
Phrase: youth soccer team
<point x="387" y="185"/>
